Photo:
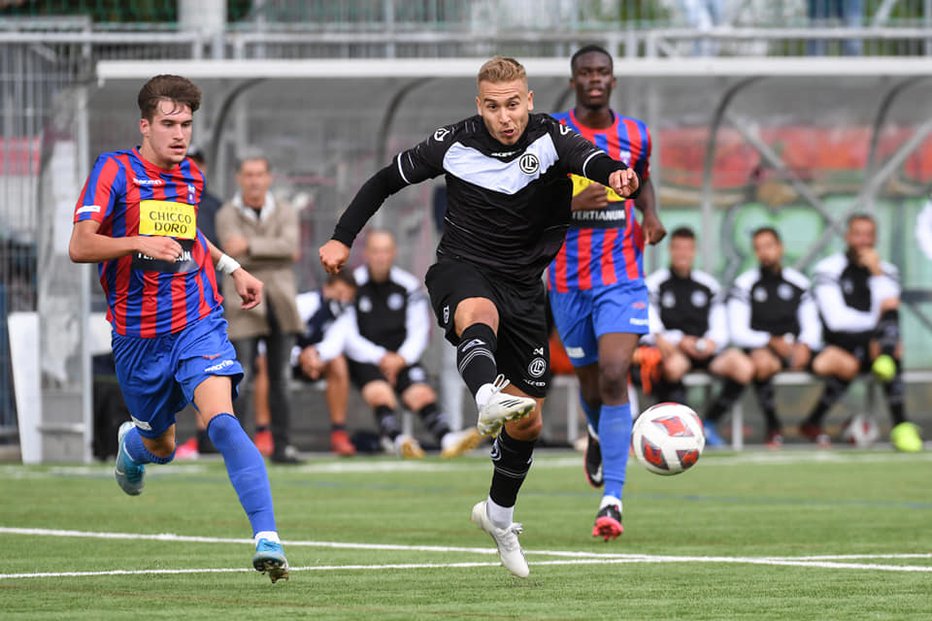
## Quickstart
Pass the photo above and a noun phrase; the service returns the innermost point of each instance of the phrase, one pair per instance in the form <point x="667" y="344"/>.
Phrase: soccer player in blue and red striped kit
<point x="137" y="219"/>
<point x="596" y="281"/>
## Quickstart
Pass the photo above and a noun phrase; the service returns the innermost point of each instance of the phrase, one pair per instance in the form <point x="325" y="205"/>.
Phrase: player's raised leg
<point x="476" y="321"/>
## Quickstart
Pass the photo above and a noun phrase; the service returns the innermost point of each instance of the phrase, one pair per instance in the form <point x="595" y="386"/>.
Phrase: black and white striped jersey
<point x="764" y="303"/>
<point x="687" y="306"/>
<point x="393" y="314"/>
<point x="849" y="297"/>
<point x="508" y="206"/>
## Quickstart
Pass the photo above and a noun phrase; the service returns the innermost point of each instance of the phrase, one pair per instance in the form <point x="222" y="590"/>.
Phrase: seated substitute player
<point x="596" y="281"/>
<point x="137" y="219"/>
<point x="329" y="330"/>
<point x="691" y="330"/>
<point x="391" y="311"/>
<point x="774" y="319"/>
<point x="858" y="296"/>
<point x="507" y="214"/>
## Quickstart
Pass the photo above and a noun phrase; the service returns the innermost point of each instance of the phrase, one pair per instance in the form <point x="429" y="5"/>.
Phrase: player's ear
<point x="530" y="100"/>
<point x="478" y="105"/>
<point x="144" y="127"/>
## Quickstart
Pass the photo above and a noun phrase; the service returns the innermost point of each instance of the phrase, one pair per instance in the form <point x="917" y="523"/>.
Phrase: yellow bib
<point x="580" y="184"/>
<point x="167" y="219"/>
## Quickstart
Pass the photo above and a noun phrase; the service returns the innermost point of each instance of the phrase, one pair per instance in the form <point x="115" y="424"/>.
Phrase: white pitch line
<point x="466" y="565"/>
<point x="572" y="558"/>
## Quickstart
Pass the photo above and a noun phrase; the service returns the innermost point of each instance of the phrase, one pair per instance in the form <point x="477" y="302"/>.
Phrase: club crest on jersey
<point x="365" y="304"/>
<point x="529" y="164"/>
<point x="537" y="367"/>
<point x="759" y="294"/>
<point x="668" y="300"/>
<point x="395" y="301"/>
<point x="785" y="292"/>
<point x="699" y="298"/>
<point x="441" y="134"/>
<point x="191" y="193"/>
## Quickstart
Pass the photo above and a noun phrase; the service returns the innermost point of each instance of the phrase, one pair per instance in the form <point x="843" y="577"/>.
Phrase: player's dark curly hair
<point x="171" y="87"/>
<point x="684" y="232"/>
<point x="586" y="49"/>
<point x="767" y="230"/>
<point x="345" y="276"/>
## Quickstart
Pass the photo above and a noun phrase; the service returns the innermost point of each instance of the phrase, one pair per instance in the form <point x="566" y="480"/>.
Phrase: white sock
<point x="500" y="516"/>
<point x="482" y="395"/>
<point x="271" y="535"/>
<point x="610" y="500"/>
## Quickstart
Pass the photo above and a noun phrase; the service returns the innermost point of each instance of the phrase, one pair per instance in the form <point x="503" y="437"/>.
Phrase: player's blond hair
<point x="501" y="69"/>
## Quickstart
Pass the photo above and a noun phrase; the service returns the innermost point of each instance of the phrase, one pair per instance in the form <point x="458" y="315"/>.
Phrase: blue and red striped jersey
<point x="604" y="247"/>
<point x="130" y="196"/>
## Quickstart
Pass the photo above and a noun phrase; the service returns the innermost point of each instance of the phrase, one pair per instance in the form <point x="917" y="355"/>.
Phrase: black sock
<point x="675" y="392"/>
<point x="475" y="356"/>
<point x="834" y="389"/>
<point x="434" y="420"/>
<point x="388" y="422"/>
<point x="261" y="428"/>
<point x="511" y="459"/>
<point x="337" y="427"/>
<point x="765" y="397"/>
<point x="895" y="390"/>
<point x="731" y="391"/>
<point x="888" y="331"/>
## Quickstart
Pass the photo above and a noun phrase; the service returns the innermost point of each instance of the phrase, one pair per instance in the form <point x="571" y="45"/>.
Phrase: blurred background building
<point x="787" y="112"/>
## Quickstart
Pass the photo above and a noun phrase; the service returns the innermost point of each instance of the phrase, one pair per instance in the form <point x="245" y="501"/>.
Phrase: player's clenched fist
<point x="624" y="182"/>
<point x="161" y="248"/>
<point x="333" y="256"/>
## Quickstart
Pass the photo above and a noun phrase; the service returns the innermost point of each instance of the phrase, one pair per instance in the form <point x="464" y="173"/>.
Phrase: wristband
<point x="227" y="264"/>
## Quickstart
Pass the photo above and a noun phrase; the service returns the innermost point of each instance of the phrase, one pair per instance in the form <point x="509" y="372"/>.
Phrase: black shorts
<point x="361" y="373"/>
<point x="858" y="344"/>
<point x="523" y="353"/>
<point x="784" y="364"/>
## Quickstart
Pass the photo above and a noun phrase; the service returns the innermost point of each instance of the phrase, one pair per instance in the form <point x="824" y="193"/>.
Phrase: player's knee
<point x="418" y="396"/>
<point x="526" y="429"/>
<point x="613" y="381"/>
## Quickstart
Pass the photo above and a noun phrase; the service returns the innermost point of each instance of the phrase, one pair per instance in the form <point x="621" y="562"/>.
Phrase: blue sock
<point x="615" y="438"/>
<point x="592" y="414"/>
<point x="138" y="452"/>
<point x="246" y="470"/>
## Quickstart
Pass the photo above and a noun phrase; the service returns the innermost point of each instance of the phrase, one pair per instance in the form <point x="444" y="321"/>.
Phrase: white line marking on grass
<point x="467" y="565"/>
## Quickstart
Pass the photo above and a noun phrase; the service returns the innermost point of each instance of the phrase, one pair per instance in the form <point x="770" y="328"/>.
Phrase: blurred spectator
<point x="774" y="319"/>
<point x="824" y="13"/>
<point x="392" y="312"/>
<point x="703" y="15"/>
<point x="209" y="205"/>
<point x="261" y="232"/>
<point x="858" y="296"/>
<point x="330" y="331"/>
<point x="690" y="328"/>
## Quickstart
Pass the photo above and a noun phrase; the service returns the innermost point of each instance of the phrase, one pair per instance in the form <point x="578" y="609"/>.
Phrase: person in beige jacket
<point x="261" y="232"/>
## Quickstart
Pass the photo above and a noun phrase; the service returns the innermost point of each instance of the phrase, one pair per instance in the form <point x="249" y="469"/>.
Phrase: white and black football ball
<point x="668" y="438"/>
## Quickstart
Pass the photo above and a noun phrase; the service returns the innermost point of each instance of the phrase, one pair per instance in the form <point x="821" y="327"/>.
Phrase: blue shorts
<point x="158" y="375"/>
<point x="582" y="316"/>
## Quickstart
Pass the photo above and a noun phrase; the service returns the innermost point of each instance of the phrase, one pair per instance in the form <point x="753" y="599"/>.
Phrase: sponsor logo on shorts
<point x="446" y="314"/>
<point x="535" y="383"/>
<point x="537" y="367"/>
<point x="638" y="322"/>
<point x="639" y="305"/>
<point x="575" y="352"/>
<point x="219" y="366"/>
<point x="141" y="424"/>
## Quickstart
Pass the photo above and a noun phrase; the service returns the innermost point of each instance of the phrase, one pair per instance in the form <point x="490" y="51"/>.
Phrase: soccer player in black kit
<point x="508" y="211"/>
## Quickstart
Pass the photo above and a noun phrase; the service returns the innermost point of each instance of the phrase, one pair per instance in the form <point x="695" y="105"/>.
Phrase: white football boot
<point x="500" y="407"/>
<point x="506" y="539"/>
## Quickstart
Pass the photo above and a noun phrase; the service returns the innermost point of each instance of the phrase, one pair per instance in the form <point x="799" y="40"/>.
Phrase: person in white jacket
<point x="689" y="326"/>
<point x="858" y="296"/>
<point x="774" y="319"/>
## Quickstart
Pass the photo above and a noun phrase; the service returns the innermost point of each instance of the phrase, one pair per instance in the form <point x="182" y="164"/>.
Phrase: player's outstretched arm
<point x="88" y="246"/>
